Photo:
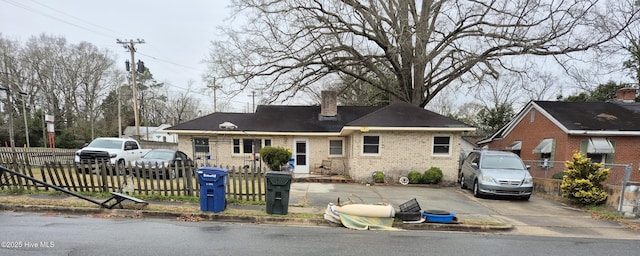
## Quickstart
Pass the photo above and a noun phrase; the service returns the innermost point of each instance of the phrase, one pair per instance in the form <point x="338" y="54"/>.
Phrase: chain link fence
<point x="554" y="169"/>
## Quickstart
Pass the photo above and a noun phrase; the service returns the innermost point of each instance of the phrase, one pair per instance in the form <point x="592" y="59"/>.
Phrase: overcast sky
<point x="177" y="33"/>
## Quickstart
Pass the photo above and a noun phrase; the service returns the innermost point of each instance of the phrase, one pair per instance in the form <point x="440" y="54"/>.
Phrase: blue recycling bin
<point x="213" y="184"/>
<point x="292" y="163"/>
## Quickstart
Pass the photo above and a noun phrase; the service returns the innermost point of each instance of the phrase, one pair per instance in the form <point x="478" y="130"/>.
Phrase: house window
<point x="544" y="160"/>
<point x="600" y="150"/>
<point x="371" y="144"/>
<point x="597" y="158"/>
<point x="249" y="147"/>
<point x="246" y="146"/>
<point x="515" y="147"/>
<point x="441" y="145"/>
<point x="546" y="149"/>
<point x="201" y="145"/>
<point x="335" y="147"/>
<point x="236" y="146"/>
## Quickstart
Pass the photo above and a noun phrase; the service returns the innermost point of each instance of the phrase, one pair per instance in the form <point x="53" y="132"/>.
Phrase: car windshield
<point x="163" y="155"/>
<point x="106" y="143"/>
<point x="501" y="162"/>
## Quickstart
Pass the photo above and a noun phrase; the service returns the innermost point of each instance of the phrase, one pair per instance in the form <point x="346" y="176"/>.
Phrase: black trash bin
<point x="278" y="185"/>
<point x="213" y="182"/>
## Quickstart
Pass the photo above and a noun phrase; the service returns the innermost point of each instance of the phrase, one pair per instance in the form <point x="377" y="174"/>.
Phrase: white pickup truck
<point x="117" y="151"/>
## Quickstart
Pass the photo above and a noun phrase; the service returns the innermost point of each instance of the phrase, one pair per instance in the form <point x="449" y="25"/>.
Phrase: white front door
<point x="301" y="155"/>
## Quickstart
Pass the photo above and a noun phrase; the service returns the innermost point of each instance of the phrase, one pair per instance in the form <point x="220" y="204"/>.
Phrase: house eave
<point x="604" y="133"/>
<point x="254" y="133"/>
<point x="351" y="129"/>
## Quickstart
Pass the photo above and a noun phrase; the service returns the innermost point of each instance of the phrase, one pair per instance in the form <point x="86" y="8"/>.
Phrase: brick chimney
<point x="626" y="95"/>
<point x="329" y="105"/>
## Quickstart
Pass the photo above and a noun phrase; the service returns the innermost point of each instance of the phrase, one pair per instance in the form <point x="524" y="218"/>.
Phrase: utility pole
<point x="215" y="97"/>
<point x="24" y="113"/>
<point x="119" y="114"/>
<point x="130" y="46"/>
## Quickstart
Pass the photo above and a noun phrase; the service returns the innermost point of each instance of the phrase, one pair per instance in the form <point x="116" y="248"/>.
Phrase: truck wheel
<point x="120" y="167"/>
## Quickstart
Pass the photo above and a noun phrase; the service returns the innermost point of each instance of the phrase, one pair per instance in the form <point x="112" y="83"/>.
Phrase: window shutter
<point x="553" y="154"/>
<point x="611" y="157"/>
<point x="584" y="144"/>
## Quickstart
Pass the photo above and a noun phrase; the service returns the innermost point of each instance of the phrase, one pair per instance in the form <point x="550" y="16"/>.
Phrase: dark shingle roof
<point x="273" y="118"/>
<point x="303" y="118"/>
<point x="402" y="114"/>
<point x="594" y="116"/>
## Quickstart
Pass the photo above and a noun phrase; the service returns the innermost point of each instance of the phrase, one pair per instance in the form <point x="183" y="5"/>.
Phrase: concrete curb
<point x="207" y="216"/>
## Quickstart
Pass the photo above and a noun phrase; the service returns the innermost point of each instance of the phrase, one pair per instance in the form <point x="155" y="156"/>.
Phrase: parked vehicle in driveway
<point x="490" y="172"/>
<point x="165" y="163"/>
<point x="116" y="151"/>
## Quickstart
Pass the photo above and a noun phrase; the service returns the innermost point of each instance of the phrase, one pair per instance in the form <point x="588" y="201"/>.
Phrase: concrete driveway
<point x="538" y="216"/>
<point x="545" y="217"/>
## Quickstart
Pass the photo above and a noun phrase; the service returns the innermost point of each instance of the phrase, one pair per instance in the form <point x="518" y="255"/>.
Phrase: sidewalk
<point x="310" y="198"/>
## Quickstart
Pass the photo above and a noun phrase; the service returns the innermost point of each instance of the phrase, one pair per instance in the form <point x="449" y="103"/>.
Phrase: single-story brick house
<point x="356" y="140"/>
<point x="547" y="133"/>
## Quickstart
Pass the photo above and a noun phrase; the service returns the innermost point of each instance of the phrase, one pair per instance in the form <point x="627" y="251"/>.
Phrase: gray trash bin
<point x="278" y="185"/>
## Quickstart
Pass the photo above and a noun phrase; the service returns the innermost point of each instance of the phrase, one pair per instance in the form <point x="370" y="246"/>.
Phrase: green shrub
<point x="558" y="175"/>
<point x="415" y="177"/>
<point x="582" y="181"/>
<point x="432" y="176"/>
<point x="275" y="157"/>
<point x="378" y="177"/>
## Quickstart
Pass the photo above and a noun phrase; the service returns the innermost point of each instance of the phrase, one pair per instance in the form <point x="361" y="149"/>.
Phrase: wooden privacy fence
<point x="242" y="183"/>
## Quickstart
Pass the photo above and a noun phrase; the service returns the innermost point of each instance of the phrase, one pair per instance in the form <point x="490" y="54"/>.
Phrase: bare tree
<point x="541" y="85"/>
<point x="289" y="45"/>
<point x="182" y="107"/>
<point x="66" y="80"/>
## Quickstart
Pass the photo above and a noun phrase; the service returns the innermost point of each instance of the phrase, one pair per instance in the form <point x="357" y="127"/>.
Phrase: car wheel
<point x="462" y="185"/>
<point x="171" y="174"/>
<point x="476" y="191"/>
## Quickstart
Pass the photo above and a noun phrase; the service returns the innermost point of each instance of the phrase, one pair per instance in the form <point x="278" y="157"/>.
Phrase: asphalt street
<point x="51" y="234"/>
<point x="537" y="217"/>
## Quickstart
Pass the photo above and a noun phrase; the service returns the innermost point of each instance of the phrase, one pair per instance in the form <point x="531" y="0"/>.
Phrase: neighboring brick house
<point x="547" y="133"/>
<point x="357" y="140"/>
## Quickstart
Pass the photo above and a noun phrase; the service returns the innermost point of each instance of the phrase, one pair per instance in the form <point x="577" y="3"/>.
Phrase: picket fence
<point x="241" y="183"/>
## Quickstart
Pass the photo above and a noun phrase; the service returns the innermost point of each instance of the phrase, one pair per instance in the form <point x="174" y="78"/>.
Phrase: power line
<point x="104" y="31"/>
<point x="114" y="33"/>
<point x="167" y="61"/>
<point x="34" y="10"/>
<point x="79" y="19"/>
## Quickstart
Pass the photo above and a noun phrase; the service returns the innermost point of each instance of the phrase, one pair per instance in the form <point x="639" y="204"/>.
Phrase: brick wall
<point x="534" y="127"/>
<point x="400" y="152"/>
